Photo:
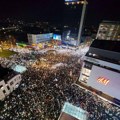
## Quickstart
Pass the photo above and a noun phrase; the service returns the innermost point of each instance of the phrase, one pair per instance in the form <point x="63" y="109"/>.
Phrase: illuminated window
<point x="86" y="71"/>
<point x="84" y="79"/>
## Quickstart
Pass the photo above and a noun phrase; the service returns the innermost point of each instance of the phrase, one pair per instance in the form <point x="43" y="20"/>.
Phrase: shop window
<point x="84" y="79"/>
<point x="86" y="71"/>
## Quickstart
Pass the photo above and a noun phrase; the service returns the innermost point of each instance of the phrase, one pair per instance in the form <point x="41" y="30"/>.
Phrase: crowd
<point x="43" y="92"/>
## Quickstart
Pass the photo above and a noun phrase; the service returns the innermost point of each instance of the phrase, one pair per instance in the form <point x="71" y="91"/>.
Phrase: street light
<point x="84" y="2"/>
<point x="82" y="20"/>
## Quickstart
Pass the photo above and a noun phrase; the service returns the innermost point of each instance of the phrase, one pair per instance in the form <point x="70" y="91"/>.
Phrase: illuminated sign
<point x="57" y="37"/>
<point x="103" y="80"/>
<point x="43" y="37"/>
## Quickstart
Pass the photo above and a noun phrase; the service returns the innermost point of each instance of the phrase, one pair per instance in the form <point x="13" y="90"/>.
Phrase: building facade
<point x="9" y="81"/>
<point x="37" y="38"/>
<point x="101" y="67"/>
<point x="109" y="31"/>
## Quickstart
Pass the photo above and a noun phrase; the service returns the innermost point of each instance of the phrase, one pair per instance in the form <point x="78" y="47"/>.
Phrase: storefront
<point x="104" y="80"/>
<point x="101" y="69"/>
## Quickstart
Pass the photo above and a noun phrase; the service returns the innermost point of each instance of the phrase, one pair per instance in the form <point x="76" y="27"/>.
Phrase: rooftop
<point x="106" y="50"/>
<point x="111" y="22"/>
<point x="6" y="74"/>
<point x="76" y="113"/>
<point x="109" y="45"/>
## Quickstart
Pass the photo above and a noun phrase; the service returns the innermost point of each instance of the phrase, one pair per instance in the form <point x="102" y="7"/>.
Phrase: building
<point x="101" y="68"/>
<point x="109" y="31"/>
<point x="71" y="21"/>
<point x="71" y="112"/>
<point x="9" y="81"/>
<point x="37" y="38"/>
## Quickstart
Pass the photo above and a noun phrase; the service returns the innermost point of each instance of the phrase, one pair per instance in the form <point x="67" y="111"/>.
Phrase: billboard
<point x="70" y="36"/>
<point x="105" y="80"/>
<point x="56" y="37"/>
<point x="43" y="37"/>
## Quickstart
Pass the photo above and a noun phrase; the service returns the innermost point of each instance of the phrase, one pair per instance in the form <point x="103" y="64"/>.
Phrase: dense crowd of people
<point x="43" y="91"/>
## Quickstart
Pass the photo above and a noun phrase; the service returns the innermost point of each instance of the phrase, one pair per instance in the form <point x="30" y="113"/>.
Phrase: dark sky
<point x="97" y="10"/>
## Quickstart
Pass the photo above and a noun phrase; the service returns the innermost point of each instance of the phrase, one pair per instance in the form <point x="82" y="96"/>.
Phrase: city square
<point x="60" y="60"/>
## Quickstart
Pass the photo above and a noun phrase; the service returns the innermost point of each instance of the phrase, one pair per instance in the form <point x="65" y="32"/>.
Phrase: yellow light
<point x="67" y="3"/>
<point x="82" y="2"/>
<point x="73" y="3"/>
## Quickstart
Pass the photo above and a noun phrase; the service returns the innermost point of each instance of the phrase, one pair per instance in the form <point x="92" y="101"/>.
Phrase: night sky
<point x="52" y="10"/>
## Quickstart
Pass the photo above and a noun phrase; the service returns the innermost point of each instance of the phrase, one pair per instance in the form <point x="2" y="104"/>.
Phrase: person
<point x="43" y="91"/>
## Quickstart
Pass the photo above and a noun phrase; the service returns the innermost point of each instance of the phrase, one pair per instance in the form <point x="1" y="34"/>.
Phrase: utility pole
<point x="82" y="21"/>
